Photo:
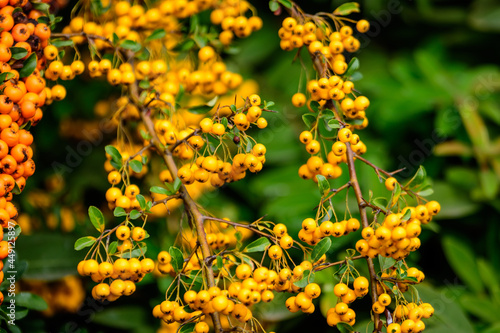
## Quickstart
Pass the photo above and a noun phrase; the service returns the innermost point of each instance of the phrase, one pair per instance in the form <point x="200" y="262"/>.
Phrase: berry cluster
<point x="25" y="33"/>
<point x="231" y="16"/>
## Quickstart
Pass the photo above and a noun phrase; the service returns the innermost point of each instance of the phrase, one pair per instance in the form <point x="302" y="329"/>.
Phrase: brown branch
<point x="319" y="64"/>
<point x="323" y="266"/>
<point x="190" y="205"/>
<point x="376" y="168"/>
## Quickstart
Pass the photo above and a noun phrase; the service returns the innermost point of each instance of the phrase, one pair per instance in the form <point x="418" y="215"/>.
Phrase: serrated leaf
<point x="136" y="166"/>
<point x="321" y="248"/>
<point x="18" y="52"/>
<point x="84" y="242"/>
<point x="96" y="218"/>
<point x="177" y="258"/>
<point x="385" y="263"/>
<point x="131" y="45"/>
<point x="134" y="214"/>
<point x="157" y="34"/>
<point x="258" y="245"/>
<point x="347" y="8"/>
<point x="323" y="184"/>
<point x="29" y="65"/>
<point x="309" y="119"/>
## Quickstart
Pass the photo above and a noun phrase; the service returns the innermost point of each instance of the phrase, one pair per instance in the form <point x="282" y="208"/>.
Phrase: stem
<point x="321" y="68"/>
<point x="190" y="205"/>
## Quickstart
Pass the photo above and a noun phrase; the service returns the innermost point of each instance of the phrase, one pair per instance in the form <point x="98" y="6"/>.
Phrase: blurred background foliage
<point x="431" y="71"/>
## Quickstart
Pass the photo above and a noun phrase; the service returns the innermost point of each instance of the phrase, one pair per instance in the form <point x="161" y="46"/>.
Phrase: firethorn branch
<point x="190" y="205"/>
<point x="320" y="67"/>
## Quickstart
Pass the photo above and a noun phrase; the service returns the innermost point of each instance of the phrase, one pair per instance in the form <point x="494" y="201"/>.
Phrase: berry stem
<point x="190" y="205"/>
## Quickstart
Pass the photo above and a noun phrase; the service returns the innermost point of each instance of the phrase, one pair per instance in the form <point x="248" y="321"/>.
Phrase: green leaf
<point x="160" y="190"/>
<point x="18" y="52"/>
<point x="380" y="202"/>
<point x="137" y="252"/>
<point x="134" y="214"/>
<point x="84" y="242"/>
<point x="258" y="245"/>
<point x="323" y="185"/>
<point x="219" y="262"/>
<point x="9" y="234"/>
<point x="115" y="155"/>
<point x="238" y="239"/>
<point x="59" y="43"/>
<point x="187" y="328"/>
<point x="157" y="34"/>
<point x="6" y="76"/>
<point x="407" y="215"/>
<point x="274" y="5"/>
<point x="41" y="6"/>
<point x="463" y="261"/>
<point x="96" y="218"/>
<point x="352" y="67"/>
<point x="112" y="247"/>
<point x="489" y="183"/>
<point x="385" y="263"/>
<point x="177" y="184"/>
<point x="347" y="8"/>
<point x="142" y="200"/>
<point x="309" y="119"/>
<point x="30" y="301"/>
<point x="286" y="3"/>
<point x="131" y="45"/>
<point x="29" y="65"/>
<point x="418" y="178"/>
<point x="480" y="307"/>
<point x="119" y="211"/>
<point x="396" y="193"/>
<point x="177" y="258"/>
<point x="333" y="123"/>
<point x="136" y="166"/>
<point x="204" y="108"/>
<point x="307" y="278"/>
<point x="344" y="327"/>
<point x="321" y="248"/>
<point x="314" y="105"/>
<point x="116" y="39"/>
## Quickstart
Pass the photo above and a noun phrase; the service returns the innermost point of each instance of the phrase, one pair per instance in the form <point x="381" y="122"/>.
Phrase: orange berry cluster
<point x="231" y="16"/>
<point x="312" y="233"/>
<point x="341" y="311"/>
<point x="396" y="237"/>
<point x="123" y="274"/>
<point x="23" y="92"/>
<point x="331" y="44"/>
